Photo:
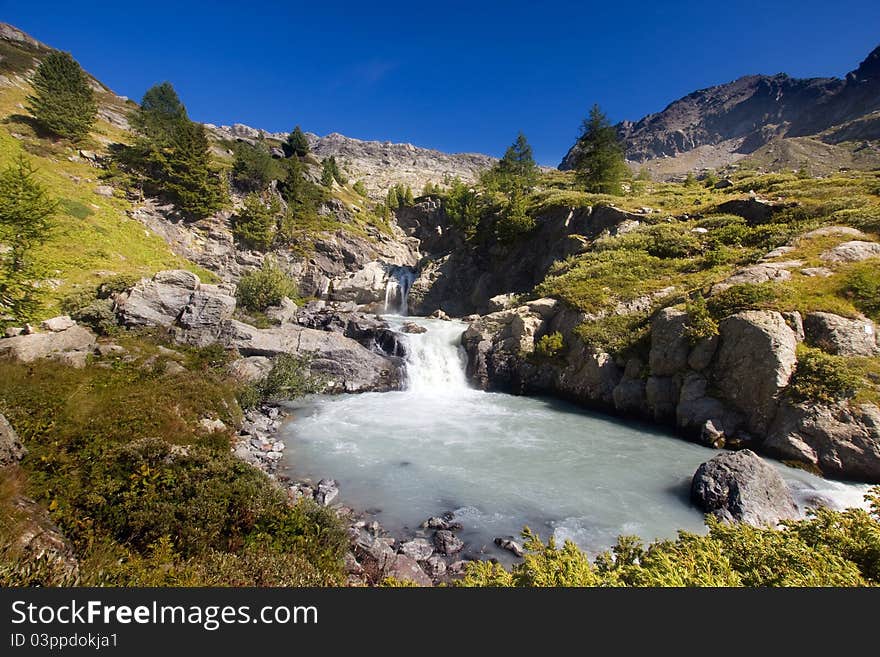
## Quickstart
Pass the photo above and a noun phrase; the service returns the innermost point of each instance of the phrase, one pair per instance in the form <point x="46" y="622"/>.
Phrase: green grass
<point x="144" y="493"/>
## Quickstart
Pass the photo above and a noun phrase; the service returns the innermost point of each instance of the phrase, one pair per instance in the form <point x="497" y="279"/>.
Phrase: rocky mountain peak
<point x="868" y="70"/>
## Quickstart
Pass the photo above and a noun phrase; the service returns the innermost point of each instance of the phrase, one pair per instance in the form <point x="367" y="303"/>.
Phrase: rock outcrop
<point x="343" y="364"/>
<point x="841" y="440"/>
<point x="71" y="346"/>
<point x="742" y="487"/>
<point x="11" y="449"/>
<point x="840" y="335"/>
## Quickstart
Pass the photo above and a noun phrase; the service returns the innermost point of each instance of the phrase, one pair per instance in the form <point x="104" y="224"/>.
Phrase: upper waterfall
<point x="400" y="280"/>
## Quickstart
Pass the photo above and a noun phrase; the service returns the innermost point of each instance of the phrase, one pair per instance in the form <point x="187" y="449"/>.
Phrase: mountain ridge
<point x="741" y="116"/>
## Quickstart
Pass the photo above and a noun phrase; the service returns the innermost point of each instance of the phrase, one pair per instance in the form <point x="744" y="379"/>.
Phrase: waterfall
<point x="400" y="280"/>
<point x="435" y="362"/>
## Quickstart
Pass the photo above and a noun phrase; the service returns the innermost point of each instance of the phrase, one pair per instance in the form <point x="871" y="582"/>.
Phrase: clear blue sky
<point x="454" y="76"/>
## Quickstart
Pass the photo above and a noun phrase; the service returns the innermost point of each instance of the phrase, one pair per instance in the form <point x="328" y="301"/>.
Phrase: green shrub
<point x="700" y="323"/>
<point x="550" y="345"/>
<point x="256" y="223"/>
<point x="671" y="241"/>
<point x="615" y="333"/>
<point x="862" y="286"/>
<point x="253" y="168"/>
<point x="821" y="377"/>
<point x="289" y="378"/>
<point x="98" y="315"/>
<point x="264" y="287"/>
<point x="738" y="298"/>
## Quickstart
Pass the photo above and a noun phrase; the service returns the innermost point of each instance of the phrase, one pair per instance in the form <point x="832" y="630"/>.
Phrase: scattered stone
<point x="724" y="183"/>
<point x="412" y="327"/>
<point x="417" y="548"/>
<point x="13" y="331"/>
<point x="283" y="313"/>
<point x="501" y="302"/>
<point x="442" y="522"/>
<point x="435" y="567"/>
<point x="457" y="567"/>
<point x="105" y="350"/>
<point x="251" y="369"/>
<point x="447" y="543"/>
<point x="57" y="324"/>
<point x="839" y="335"/>
<point x="510" y="545"/>
<point x="817" y="272"/>
<point x="741" y="486"/>
<point x="834" y="231"/>
<point x="853" y="251"/>
<point x="104" y="190"/>
<point x="11" y="449"/>
<point x="326" y="492"/>
<point x="404" y="568"/>
<point x="29" y="347"/>
<point x="439" y="314"/>
<point x="212" y="424"/>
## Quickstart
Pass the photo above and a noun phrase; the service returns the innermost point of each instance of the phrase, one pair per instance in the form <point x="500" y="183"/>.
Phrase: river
<point x="502" y="461"/>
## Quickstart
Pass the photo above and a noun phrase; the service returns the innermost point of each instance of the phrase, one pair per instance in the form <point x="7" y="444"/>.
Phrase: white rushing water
<point x="400" y="280"/>
<point x="502" y="462"/>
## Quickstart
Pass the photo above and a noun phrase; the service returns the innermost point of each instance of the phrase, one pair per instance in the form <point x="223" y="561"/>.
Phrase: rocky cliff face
<point x="379" y="164"/>
<point x="741" y="116"/>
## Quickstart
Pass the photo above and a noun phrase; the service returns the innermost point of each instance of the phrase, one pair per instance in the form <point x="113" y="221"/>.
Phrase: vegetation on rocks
<point x="147" y="495"/>
<point x="822" y="377"/>
<point x="255" y="225"/>
<point x="828" y="548"/>
<point x="599" y="161"/>
<point x="261" y="288"/>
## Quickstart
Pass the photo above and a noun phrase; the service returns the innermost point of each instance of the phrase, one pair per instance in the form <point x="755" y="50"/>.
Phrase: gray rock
<point x="160" y="301"/>
<point x="104" y="190"/>
<point x="251" y="369"/>
<point x="344" y="364"/>
<point x="833" y="231"/>
<point x="669" y="343"/>
<point x="13" y="331"/>
<point x="76" y="340"/>
<point x="795" y="322"/>
<point x="11" y="449"/>
<point x="501" y="302"/>
<point x="702" y="353"/>
<point x="417" y="548"/>
<point x="740" y="486"/>
<point x="407" y="569"/>
<point x="447" y="543"/>
<point x="57" y="324"/>
<point x="326" y="492"/>
<point x="203" y="316"/>
<point x="853" y="251"/>
<point x="842" y="440"/>
<point x="439" y="314"/>
<point x="412" y="327"/>
<point x="510" y="545"/>
<point x="774" y="272"/>
<point x="662" y="394"/>
<point x="839" y="335"/>
<point x="435" y="567"/>
<point x="629" y="396"/>
<point x="446" y="521"/>
<point x="753" y="210"/>
<point x="756" y="358"/>
<point x="284" y="312"/>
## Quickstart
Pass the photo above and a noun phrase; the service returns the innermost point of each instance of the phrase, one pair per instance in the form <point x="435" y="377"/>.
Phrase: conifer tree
<point x="515" y="173"/>
<point x="392" y="202"/>
<point x="26" y="219"/>
<point x="327" y="167"/>
<point x="599" y="163"/>
<point x="298" y="143"/>
<point x="256" y="223"/>
<point x="408" y="198"/>
<point x="63" y="101"/>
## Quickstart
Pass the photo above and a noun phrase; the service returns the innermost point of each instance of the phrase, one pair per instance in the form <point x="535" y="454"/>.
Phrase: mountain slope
<point x="730" y="121"/>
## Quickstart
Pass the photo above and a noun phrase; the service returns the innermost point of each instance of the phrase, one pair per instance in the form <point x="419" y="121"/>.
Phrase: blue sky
<point x="457" y="76"/>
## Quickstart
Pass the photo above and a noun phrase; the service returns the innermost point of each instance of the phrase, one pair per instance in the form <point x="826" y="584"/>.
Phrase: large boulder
<point x="159" y="301"/>
<point x="669" y="343"/>
<point x="366" y="285"/>
<point x="742" y="487"/>
<point x="853" y="251"/>
<point x="755" y="360"/>
<point x="345" y="364"/>
<point x="841" y="440"/>
<point x="774" y="272"/>
<point x="11" y="449"/>
<point x="70" y="346"/>
<point x="839" y="335"/>
<point x="202" y="318"/>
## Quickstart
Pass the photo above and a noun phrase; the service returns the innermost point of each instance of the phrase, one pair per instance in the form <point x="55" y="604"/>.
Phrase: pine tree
<point x="515" y="173"/>
<point x="253" y="168"/>
<point x="63" y="102"/>
<point x="159" y="113"/>
<point x="191" y="184"/>
<point x="392" y="202"/>
<point x="408" y="198"/>
<point x="360" y="188"/>
<point x="298" y="143"/>
<point x="256" y="223"/>
<point x="327" y="176"/>
<point x="26" y="219"/>
<point x="599" y="163"/>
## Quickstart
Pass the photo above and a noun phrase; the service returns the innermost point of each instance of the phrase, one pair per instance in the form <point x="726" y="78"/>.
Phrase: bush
<point x="256" y="223"/>
<point x="259" y="289"/>
<point x="670" y="241"/>
<point x="253" y="167"/>
<point x="289" y="378"/>
<point x="740" y="297"/>
<point x="550" y="345"/>
<point x="862" y="286"/>
<point x="700" y="323"/>
<point x="828" y="548"/>
<point x="821" y="377"/>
